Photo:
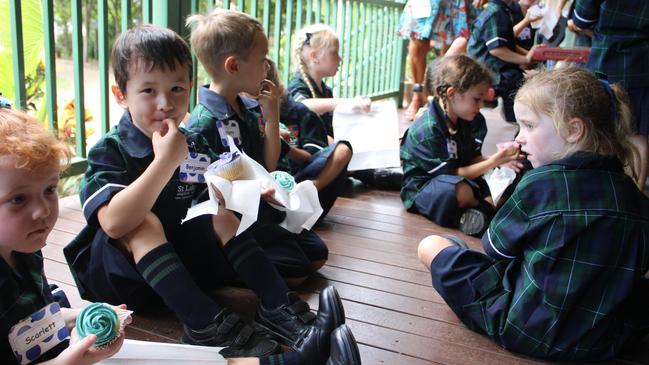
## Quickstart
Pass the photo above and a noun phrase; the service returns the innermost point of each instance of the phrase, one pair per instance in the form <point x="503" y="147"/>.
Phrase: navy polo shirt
<point x="299" y="90"/>
<point x="118" y="159"/>
<point x="214" y="119"/>
<point x="304" y="124"/>
<point x="494" y="28"/>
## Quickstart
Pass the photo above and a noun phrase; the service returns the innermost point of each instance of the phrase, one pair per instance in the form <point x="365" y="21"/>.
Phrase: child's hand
<point x="70" y="317"/>
<point x="285" y="135"/>
<point x="364" y="103"/>
<point x="504" y="157"/>
<point x="268" y="99"/>
<point x="83" y="352"/>
<point x="267" y="194"/>
<point x="169" y="145"/>
<point x="528" y="56"/>
<point x="531" y="17"/>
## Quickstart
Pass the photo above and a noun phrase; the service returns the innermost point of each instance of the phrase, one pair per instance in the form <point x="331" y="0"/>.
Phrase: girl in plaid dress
<point x="565" y="265"/>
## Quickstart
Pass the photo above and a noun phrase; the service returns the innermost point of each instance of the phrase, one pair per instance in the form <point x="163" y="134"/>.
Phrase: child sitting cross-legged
<point x="30" y="164"/>
<point x="308" y="152"/>
<point x="134" y="249"/>
<point x="442" y="159"/>
<point x="233" y="48"/>
<point x="564" y="274"/>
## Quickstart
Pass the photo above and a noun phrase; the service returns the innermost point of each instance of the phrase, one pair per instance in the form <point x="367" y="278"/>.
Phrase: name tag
<point x="193" y="168"/>
<point x="38" y="333"/>
<point x="451" y="148"/>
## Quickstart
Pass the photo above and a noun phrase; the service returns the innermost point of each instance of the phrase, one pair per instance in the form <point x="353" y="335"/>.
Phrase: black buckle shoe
<point x="288" y="322"/>
<point x="331" y="313"/>
<point x="228" y="330"/>
<point x="314" y="347"/>
<point x="344" y="350"/>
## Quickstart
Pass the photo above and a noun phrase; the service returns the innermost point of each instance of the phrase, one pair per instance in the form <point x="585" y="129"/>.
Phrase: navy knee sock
<point x="256" y="270"/>
<point x="287" y="358"/>
<point x="167" y="275"/>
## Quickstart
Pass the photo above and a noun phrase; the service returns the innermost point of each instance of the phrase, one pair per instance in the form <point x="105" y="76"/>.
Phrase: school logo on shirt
<point x="229" y="128"/>
<point x="525" y="34"/>
<point x="451" y="147"/>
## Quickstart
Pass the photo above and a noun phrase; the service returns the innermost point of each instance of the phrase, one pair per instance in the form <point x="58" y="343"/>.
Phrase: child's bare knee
<point x="429" y="247"/>
<point x="343" y="152"/>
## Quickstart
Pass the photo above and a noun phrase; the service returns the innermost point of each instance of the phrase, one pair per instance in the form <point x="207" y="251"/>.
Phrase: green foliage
<point x="32" y="46"/>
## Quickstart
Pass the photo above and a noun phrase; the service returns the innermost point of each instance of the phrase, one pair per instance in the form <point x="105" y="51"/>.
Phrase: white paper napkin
<point x="498" y="180"/>
<point x="301" y="205"/>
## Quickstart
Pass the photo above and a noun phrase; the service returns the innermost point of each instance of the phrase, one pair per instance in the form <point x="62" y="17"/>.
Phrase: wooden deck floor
<point x="391" y="307"/>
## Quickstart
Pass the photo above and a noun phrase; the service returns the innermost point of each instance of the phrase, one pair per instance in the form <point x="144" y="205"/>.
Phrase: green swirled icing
<point x="284" y="179"/>
<point x="98" y="319"/>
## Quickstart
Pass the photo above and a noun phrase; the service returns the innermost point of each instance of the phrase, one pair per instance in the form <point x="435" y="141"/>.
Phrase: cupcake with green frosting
<point x="102" y="320"/>
<point x="284" y="179"/>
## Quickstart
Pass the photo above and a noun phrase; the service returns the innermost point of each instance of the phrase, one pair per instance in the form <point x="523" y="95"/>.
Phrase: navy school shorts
<point x="106" y="273"/>
<point x="437" y="201"/>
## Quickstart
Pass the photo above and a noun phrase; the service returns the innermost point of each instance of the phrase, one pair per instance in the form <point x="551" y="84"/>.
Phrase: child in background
<point x="310" y="154"/>
<point x="134" y="249"/>
<point x="492" y="43"/>
<point x="30" y="164"/>
<point x="232" y="47"/>
<point x="564" y="276"/>
<point x="442" y="161"/>
<point x="620" y="51"/>
<point x="315" y="49"/>
<point x="523" y="20"/>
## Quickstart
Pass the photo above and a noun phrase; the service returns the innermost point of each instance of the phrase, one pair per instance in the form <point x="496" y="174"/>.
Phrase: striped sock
<point x="162" y="269"/>
<point x="287" y="358"/>
<point x="256" y="270"/>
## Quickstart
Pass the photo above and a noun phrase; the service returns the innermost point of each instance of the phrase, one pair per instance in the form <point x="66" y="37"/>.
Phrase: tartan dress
<point x="563" y="275"/>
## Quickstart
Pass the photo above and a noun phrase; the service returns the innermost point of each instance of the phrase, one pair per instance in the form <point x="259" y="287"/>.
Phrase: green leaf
<point x="32" y="26"/>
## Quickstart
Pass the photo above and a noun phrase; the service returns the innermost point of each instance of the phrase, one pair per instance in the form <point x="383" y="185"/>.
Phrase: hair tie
<point x="4" y="102"/>
<point x="611" y="97"/>
<point x="307" y="41"/>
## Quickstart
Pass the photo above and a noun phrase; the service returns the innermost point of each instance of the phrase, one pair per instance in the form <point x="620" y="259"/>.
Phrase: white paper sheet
<point x="374" y="136"/>
<point x="546" y="24"/>
<point x="157" y="353"/>
<point x="498" y="180"/>
<point x="301" y="205"/>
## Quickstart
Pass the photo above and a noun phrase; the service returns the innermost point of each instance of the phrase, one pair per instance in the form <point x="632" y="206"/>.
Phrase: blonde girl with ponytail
<point x="316" y="56"/>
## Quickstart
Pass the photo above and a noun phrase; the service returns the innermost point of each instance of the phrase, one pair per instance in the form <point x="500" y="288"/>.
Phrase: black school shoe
<point x="291" y="322"/>
<point x="475" y="221"/>
<point x="228" y="330"/>
<point x="344" y="350"/>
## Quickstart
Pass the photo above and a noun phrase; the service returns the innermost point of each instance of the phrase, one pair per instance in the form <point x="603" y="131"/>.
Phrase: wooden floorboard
<point x="395" y="314"/>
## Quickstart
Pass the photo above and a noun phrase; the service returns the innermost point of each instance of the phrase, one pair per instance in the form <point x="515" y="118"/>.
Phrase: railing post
<point x="20" y="95"/>
<point x="102" y="32"/>
<point x="126" y="15"/>
<point x="50" y="63"/>
<point x="77" y="61"/>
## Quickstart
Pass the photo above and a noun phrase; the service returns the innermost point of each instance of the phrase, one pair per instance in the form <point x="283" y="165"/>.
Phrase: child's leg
<point x="337" y="162"/>
<point x="162" y="269"/>
<point x="249" y="261"/>
<point x="429" y="247"/>
<point x="465" y="196"/>
<point x="417" y="50"/>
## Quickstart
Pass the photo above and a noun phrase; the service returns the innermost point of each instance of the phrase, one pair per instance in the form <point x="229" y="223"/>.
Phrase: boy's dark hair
<point x="148" y="46"/>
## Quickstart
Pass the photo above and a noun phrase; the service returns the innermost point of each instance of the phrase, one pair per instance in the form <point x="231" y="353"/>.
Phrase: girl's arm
<point x="480" y="165"/>
<point x="298" y="155"/>
<point x="326" y="105"/>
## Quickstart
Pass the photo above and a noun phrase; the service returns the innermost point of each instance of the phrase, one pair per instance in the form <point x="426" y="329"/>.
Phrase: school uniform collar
<point x="30" y="261"/>
<point x="323" y="86"/>
<point x="591" y="161"/>
<point x="219" y="107"/>
<point x="136" y="143"/>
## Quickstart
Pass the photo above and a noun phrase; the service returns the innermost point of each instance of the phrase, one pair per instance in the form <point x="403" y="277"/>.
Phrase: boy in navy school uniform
<point x="238" y="66"/>
<point x="134" y="249"/>
<point x="492" y="42"/>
